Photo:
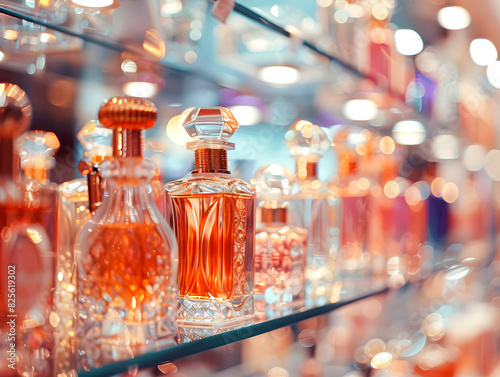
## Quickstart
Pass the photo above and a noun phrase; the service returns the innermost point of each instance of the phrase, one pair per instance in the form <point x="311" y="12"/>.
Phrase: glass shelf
<point x="187" y="347"/>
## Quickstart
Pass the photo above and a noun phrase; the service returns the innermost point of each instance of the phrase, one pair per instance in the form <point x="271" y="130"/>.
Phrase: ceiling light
<point x="483" y="51"/>
<point x="493" y="74"/>
<point x="171" y="8"/>
<point x="140" y="89"/>
<point x="246" y="115"/>
<point x="408" y="42"/>
<point x="98" y="4"/>
<point x="360" y="109"/>
<point x="453" y="18"/>
<point x="409" y="132"/>
<point x="279" y="74"/>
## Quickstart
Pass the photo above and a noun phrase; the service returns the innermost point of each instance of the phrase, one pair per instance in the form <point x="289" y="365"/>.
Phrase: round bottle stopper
<point x="307" y="140"/>
<point x="15" y="111"/>
<point x="37" y="149"/>
<point x="211" y="126"/>
<point x="96" y="141"/>
<point x="127" y="117"/>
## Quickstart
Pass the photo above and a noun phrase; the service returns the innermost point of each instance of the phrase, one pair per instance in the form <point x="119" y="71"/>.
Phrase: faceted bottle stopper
<point x="210" y="124"/>
<point x="15" y="110"/>
<point x="96" y="141"/>
<point x="127" y="117"/>
<point x="37" y="149"/>
<point x="308" y="140"/>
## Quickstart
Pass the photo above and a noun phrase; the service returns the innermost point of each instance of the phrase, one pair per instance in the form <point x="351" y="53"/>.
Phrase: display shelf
<point x="154" y="358"/>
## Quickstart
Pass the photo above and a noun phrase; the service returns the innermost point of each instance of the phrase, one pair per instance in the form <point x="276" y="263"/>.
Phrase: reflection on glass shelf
<point x="198" y="339"/>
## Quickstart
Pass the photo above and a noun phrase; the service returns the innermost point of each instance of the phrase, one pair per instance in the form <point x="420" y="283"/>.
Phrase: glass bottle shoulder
<point x="75" y="190"/>
<point x="209" y="183"/>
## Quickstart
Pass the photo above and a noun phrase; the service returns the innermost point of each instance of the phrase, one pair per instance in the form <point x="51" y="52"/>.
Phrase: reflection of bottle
<point x="24" y="244"/>
<point x="78" y="198"/>
<point x="154" y="150"/>
<point x="126" y="253"/>
<point x="317" y="210"/>
<point x="213" y="218"/>
<point x="36" y="157"/>
<point x="280" y="248"/>
<point x="349" y="143"/>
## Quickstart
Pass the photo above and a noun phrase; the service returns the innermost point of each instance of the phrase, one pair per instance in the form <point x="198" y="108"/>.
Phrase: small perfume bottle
<point x="213" y="217"/>
<point x="126" y="253"/>
<point x="78" y="199"/>
<point x="280" y="248"/>
<point x="24" y="243"/>
<point x="348" y="142"/>
<point x="317" y="210"/>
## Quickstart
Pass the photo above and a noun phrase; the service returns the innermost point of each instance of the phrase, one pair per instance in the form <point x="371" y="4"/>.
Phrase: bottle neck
<point x="128" y="143"/>
<point x="36" y="173"/>
<point x="307" y="170"/>
<point x="9" y="159"/>
<point x="210" y="160"/>
<point x="272" y="215"/>
<point x="95" y="183"/>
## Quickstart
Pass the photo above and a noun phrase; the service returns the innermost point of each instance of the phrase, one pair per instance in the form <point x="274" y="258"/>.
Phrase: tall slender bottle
<point x="280" y="247"/>
<point x="78" y="199"/>
<point x="36" y="158"/>
<point x="317" y="210"/>
<point x="126" y="253"/>
<point x="24" y="243"/>
<point x="348" y="142"/>
<point x="214" y="220"/>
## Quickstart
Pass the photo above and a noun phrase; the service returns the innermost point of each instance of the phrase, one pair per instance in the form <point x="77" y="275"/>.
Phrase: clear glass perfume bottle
<point x="317" y="210"/>
<point x="126" y="253"/>
<point x="24" y="243"/>
<point x="213" y="217"/>
<point x="78" y="199"/>
<point x="348" y="142"/>
<point x="280" y="248"/>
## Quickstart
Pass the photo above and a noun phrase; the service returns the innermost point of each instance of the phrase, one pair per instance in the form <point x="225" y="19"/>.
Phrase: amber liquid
<point x="125" y="269"/>
<point x="211" y="231"/>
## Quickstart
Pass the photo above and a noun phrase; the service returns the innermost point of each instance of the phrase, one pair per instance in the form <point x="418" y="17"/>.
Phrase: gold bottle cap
<point x="128" y="117"/>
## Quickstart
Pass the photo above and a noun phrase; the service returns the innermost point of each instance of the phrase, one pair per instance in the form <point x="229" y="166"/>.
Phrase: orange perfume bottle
<point x="24" y="244"/>
<point x="280" y="247"/>
<point x="78" y="200"/>
<point x="126" y="253"/>
<point x="213" y="220"/>
<point x="317" y="207"/>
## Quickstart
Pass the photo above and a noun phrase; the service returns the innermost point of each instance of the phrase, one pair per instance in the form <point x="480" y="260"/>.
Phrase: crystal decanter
<point x="126" y="253"/>
<point x="24" y="244"/>
<point x="213" y="220"/>
<point x="317" y="208"/>
<point x="78" y="199"/>
<point x="280" y="248"/>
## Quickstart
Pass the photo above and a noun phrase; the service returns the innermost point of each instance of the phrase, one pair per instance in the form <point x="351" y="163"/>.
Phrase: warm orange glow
<point x="413" y="196"/>
<point x="437" y="187"/>
<point x="387" y="145"/>
<point x="450" y="192"/>
<point x="153" y="44"/>
<point x="391" y="189"/>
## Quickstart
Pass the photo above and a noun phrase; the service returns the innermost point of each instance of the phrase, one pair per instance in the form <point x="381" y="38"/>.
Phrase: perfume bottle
<point x="280" y="248"/>
<point x="24" y="243"/>
<point x="36" y="158"/>
<point x="317" y="210"/>
<point x="78" y="200"/>
<point x="213" y="216"/>
<point x="126" y="253"/>
<point x="348" y="142"/>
